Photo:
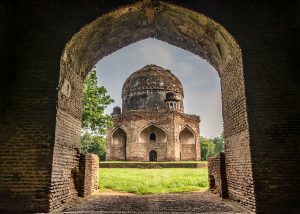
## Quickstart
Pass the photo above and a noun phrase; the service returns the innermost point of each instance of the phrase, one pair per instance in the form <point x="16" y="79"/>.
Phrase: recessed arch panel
<point x="187" y="144"/>
<point x="118" y="145"/>
<point x="145" y="135"/>
<point x="187" y="136"/>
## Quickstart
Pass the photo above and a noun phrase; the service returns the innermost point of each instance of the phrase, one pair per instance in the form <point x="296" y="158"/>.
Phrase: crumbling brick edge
<point x="217" y="175"/>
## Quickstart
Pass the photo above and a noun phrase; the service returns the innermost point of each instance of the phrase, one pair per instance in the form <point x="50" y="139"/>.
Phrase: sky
<point x="201" y="83"/>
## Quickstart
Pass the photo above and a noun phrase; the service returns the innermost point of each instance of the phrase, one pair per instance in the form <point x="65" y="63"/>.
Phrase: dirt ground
<point x="116" y="202"/>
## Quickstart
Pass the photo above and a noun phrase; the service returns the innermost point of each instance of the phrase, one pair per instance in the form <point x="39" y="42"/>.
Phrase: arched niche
<point x="180" y="27"/>
<point x="187" y="136"/>
<point x="119" y="137"/>
<point x="188" y="147"/>
<point x="153" y="155"/>
<point x="117" y="148"/>
<point x="147" y="134"/>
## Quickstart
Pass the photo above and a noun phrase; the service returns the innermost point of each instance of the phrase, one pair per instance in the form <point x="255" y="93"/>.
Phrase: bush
<point x="211" y="147"/>
<point x="93" y="144"/>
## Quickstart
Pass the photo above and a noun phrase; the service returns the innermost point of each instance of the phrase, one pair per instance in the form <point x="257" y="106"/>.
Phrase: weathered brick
<point x="44" y="43"/>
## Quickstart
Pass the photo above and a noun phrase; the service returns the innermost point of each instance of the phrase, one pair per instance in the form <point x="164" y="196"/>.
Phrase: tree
<point x="95" y="100"/>
<point x="94" y="122"/>
<point x="219" y="144"/>
<point x="207" y="148"/>
<point x="211" y="147"/>
<point x="93" y="144"/>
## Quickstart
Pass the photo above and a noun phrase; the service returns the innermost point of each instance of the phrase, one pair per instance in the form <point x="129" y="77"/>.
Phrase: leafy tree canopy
<point x="211" y="147"/>
<point x="93" y="144"/>
<point x="94" y="122"/>
<point x="95" y="100"/>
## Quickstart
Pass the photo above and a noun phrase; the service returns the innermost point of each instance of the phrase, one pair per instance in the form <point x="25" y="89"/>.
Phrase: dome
<point x="152" y="77"/>
<point x="116" y="110"/>
<point x="148" y="87"/>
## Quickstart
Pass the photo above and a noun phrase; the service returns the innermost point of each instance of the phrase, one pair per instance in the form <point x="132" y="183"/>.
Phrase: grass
<point x="153" y="181"/>
<point x="175" y="162"/>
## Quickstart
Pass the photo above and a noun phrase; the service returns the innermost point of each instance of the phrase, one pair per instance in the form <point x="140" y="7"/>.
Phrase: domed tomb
<point x="153" y="125"/>
<point x="152" y="88"/>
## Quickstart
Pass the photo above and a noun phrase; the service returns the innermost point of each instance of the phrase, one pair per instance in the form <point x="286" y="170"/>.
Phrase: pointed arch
<point x="147" y="133"/>
<point x="188" y="147"/>
<point x="117" y="147"/>
<point x="119" y="136"/>
<point x="153" y="155"/>
<point x="178" y="26"/>
<point x="187" y="136"/>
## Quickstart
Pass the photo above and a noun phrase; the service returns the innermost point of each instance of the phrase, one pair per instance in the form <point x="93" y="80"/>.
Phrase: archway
<point x="180" y="27"/>
<point x="117" y="148"/>
<point x="154" y="138"/>
<point x="187" y="144"/>
<point x="152" y="155"/>
<point x="152" y="134"/>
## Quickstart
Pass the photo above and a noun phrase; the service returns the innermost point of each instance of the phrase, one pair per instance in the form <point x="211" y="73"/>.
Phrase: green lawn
<point x="174" y="162"/>
<point x="153" y="181"/>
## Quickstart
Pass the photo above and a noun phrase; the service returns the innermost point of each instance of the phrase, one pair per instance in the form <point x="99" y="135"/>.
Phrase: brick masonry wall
<point x="236" y="135"/>
<point x="192" y="122"/>
<point x="65" y="160"/>
<point x="89" y="170"/>
<point x="170" y="122"/>
<point x="27" y="113"/>
<point x="217" y="175"/>
<point x="265" y="153"/>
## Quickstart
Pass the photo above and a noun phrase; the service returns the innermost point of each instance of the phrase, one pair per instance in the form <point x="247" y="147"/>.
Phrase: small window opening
<point x="152" y="137"/>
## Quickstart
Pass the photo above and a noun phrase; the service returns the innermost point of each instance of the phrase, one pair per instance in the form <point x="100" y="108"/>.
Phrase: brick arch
<point x="119" y="127"/>
<point x="188" y="147"/>
<point x="175" y="25"/>
<point x="180" y="27"/>
<point x="33" y="119"/>
<point x="122" y="132"/>
<point x="161" y="134"/>
<point x="117" y="148"/>
<point x="188" y="129"/>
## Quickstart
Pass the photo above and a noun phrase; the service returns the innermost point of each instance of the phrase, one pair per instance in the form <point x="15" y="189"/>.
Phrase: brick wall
<point x="89" y="170"/>
<point x="236" y="135"/>
<point x="217" y="175"/>
<point x="166" y="124"/>
<point x="260" y="102"/>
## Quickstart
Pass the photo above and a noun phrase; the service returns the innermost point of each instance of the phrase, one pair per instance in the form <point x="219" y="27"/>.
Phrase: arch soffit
<point x="118" y="128"/>
<point x="188" y="128"/>
<point x="175" y="25"/>
<point x="144" y="128"/>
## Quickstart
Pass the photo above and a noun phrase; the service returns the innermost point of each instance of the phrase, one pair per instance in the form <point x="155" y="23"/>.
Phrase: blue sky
<point x="200" y="80"/>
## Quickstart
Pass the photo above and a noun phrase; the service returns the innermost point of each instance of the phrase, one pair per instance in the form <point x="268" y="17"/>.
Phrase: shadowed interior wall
<point x="39" y="147"/>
